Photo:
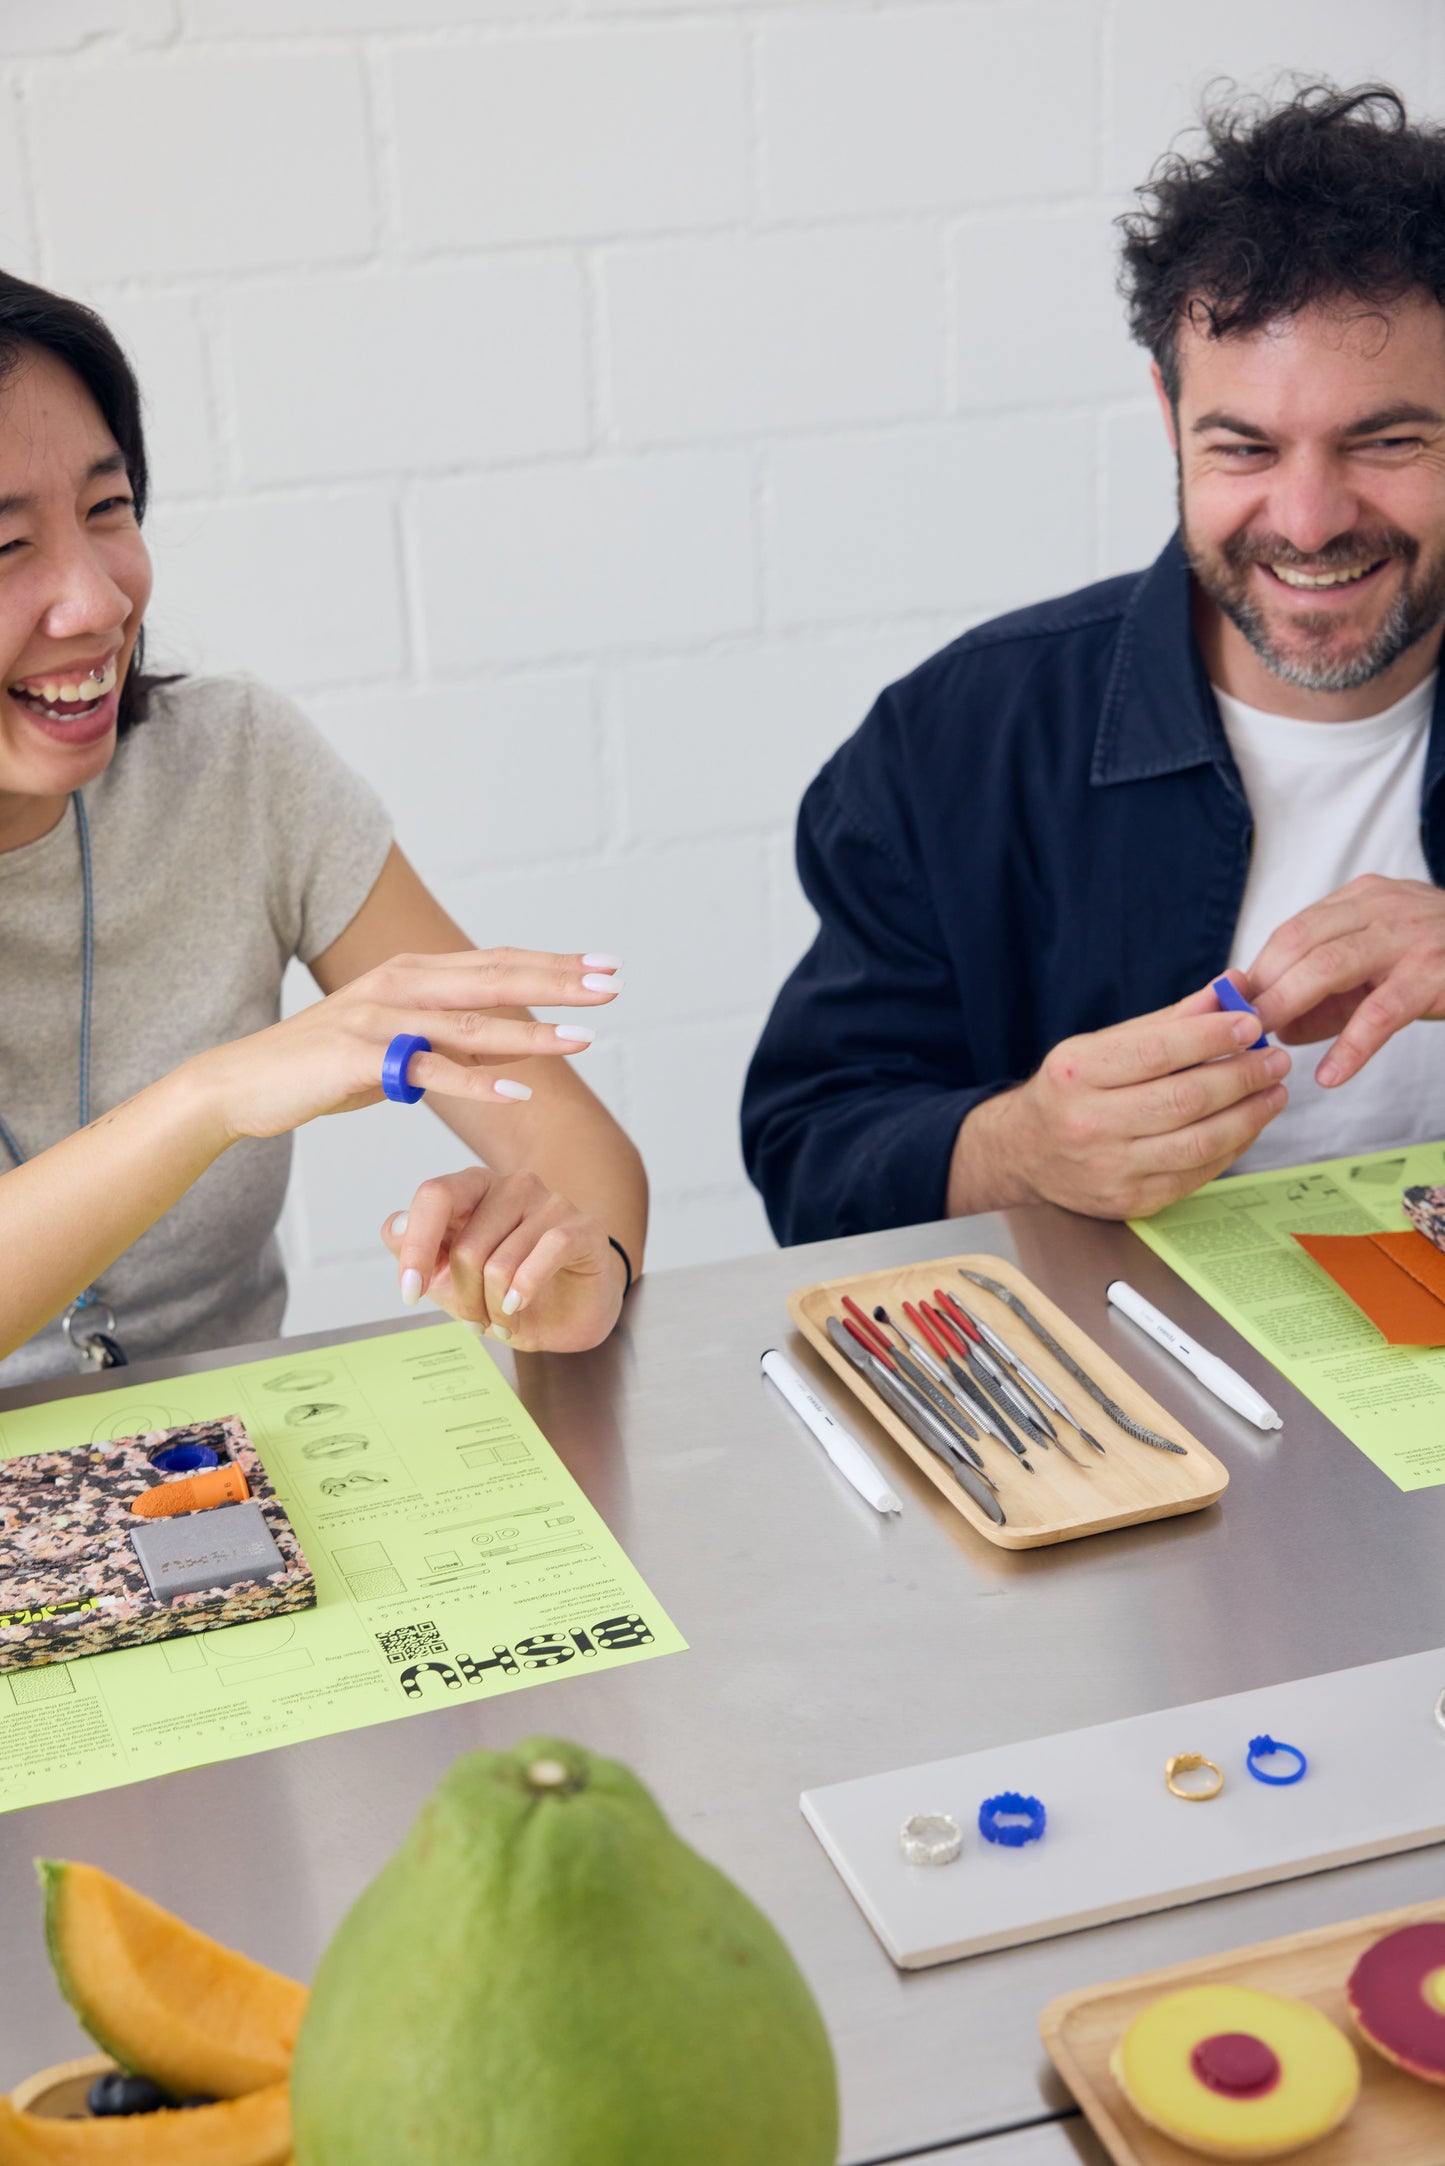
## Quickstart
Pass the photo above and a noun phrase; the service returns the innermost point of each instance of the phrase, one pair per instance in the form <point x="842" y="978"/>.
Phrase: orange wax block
<point x="218" y="1485"/>
<point x="1398" y="1306"/>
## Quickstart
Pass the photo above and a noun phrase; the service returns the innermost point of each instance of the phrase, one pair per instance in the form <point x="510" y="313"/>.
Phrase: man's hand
<point x="1120" y="1122"/>
<point x="1356" y="967"/>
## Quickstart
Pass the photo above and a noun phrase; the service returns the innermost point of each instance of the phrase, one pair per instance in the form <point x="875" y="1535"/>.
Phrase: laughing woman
<point x="166" y="848"/>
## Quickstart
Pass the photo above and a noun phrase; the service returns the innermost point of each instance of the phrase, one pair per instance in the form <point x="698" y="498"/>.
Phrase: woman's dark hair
<point x="1334" y="194"/>
<point x="30" y="317"/>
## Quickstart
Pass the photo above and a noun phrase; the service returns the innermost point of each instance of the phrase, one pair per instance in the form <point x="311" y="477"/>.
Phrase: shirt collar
<point x="1159" y="714"/>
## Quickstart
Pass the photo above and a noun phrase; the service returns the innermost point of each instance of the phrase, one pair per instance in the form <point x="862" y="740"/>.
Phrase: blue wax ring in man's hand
<point x="395" y="1062"/>
<point x="998" y="1819"/>
<point x="1227" y="993"/>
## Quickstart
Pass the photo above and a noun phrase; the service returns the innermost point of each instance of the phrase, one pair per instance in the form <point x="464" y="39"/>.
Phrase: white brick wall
<point x="586" y="406"/>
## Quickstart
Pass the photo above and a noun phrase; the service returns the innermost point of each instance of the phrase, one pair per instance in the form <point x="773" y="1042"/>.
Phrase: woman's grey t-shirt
<point x="227" y="837"/>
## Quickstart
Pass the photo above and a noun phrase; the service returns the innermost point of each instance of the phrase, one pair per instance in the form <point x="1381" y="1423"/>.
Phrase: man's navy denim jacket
<point x="1040" y="832"/>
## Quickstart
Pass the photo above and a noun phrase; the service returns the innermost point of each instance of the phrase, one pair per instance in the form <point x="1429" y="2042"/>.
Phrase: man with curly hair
<point x="1041" y="849"/>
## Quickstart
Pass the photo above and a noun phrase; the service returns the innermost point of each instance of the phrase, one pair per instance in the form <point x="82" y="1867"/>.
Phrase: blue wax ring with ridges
<point x="1227" y="993"/>
<point x="395" y="1062"/>
<point x="1261" y="1748"/>
<point x="995" y="1813"/>
<point x="185" y="1459"/>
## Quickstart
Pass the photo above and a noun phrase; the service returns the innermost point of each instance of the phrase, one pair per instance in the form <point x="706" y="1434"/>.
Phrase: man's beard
<point x="1416" y="609"/>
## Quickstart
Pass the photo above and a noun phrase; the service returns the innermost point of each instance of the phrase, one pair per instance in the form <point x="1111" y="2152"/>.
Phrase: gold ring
<point x="1184" y="1763"/>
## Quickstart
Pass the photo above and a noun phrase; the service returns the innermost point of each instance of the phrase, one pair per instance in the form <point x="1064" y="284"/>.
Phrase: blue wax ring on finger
<point x="1262" y="1748"/>
<point x="394" y="1064"/>
<point x="1227" y="993"/>
<point x="998" y="1818"/>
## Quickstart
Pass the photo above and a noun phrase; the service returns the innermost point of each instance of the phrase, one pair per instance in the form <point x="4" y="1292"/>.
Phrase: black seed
<point x="116" y="2093"/>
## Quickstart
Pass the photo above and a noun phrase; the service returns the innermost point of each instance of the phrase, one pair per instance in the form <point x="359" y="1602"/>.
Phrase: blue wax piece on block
<point x="185" y="1459"/>
<point x="1227" y="993"/>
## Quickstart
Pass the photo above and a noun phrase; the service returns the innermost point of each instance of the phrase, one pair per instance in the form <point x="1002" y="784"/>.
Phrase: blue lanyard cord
<point x="87" y="987"/>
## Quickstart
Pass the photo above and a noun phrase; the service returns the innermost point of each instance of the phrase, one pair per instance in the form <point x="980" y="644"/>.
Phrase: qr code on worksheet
<point x="408" y="1642"/>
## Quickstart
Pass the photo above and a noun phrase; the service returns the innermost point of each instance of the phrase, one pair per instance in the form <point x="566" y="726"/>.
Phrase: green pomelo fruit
<point x="546" y="1975"/>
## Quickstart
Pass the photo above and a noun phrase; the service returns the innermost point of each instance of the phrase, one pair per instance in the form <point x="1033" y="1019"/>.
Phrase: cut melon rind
<point x="254" y="2131"/>
<point x="162" y="1999"/>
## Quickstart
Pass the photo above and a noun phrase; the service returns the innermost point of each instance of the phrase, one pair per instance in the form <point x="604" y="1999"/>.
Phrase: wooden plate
<point x="1397" y="2120"/>
<point x="1057" y="1502"/>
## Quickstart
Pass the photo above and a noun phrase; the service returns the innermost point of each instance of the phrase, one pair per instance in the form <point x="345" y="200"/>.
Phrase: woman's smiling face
<point x="75" y="578"/>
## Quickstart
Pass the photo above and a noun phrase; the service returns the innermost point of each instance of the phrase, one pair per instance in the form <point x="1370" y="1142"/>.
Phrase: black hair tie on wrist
<point x="626" y="1264"/>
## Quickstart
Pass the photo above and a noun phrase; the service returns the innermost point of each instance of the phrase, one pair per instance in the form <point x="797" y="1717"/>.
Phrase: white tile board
<point x="1117" y="1843"/>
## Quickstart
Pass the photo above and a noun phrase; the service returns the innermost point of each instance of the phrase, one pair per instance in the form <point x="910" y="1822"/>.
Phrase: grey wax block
<point x="197" y="1550"/>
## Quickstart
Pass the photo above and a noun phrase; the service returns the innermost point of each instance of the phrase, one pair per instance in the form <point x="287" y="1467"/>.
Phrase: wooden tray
<point x="1057" y="1502"/>
<point x="1397" y="2120"/>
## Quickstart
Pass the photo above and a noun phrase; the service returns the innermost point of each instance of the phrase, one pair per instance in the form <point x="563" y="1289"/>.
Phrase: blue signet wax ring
<point x="185" y="1458"/>
<point x="1260" y="1748"/>
<point x="1009" y="1805"/>
<point x="395" y="1062"/>
<point x="1227" y="993"/>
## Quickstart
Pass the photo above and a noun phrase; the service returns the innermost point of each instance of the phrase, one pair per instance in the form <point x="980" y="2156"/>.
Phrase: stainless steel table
<point x="827" y="1643"/>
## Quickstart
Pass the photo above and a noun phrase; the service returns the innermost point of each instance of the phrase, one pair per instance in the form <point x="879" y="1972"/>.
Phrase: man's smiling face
<point x="1312" y="485"/>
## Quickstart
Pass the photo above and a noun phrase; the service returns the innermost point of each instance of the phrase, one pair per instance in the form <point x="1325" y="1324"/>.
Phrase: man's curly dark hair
<point x="1334" y="194"/>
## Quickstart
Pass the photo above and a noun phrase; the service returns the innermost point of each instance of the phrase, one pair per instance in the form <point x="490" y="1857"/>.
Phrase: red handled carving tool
<point x="1066" y="1361"/>
<point x="1032" y="1413"/>
<point x="919" y="1382"/>
<point x="1032" y="1383"/>
<point x="966" y="1385"/>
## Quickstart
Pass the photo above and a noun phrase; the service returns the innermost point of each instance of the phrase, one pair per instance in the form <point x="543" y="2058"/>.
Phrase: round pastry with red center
<point x="1397" y="1997"/>
<point x="1232" y="2073"/>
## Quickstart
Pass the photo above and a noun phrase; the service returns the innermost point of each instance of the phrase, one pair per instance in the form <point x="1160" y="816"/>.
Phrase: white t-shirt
<point x="1332" y="800"/>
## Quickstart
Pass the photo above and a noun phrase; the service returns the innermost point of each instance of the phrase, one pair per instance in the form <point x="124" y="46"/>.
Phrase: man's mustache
<point x="1360" y="546"/>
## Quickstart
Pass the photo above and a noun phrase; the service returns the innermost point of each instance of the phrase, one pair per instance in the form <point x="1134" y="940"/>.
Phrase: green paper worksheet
<point x="455" y="1559"/>
<point x="1232" y="1243"/>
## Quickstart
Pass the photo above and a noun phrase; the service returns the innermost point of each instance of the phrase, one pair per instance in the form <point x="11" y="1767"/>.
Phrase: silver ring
<point x="1440" y="1711"/>
<point x="97" y="1317"/>
<point x="930" y="1839"/>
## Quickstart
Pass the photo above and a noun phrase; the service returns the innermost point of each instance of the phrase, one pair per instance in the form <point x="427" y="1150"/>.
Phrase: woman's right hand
<point x="328" y="1058"/>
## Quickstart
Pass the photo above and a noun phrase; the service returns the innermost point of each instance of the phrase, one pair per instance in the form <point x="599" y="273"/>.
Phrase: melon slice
<point x="162" y="1999"/>
<point x="254" y="2131"/>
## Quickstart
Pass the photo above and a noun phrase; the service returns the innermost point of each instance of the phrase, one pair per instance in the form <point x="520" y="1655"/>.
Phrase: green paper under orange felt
<point x="1404" y="1311"/>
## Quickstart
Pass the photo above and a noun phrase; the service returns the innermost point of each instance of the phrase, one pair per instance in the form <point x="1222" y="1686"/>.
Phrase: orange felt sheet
<point x="1398" y="1299"/>
<point x="1418" y="1255"/>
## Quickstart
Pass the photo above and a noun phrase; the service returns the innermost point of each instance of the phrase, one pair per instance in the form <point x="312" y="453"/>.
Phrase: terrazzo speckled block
<point x="71" y="1582"/>
<point x="1425" y="1209"/>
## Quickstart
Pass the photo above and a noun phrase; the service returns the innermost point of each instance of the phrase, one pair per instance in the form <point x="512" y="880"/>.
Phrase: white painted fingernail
<point x="602" y="962"/>
<point x="594" y="982"/>
<point x="506" y="1088"/>
<point x="499" y="1331"/>
<point x="478" y="1331"/>
<point x="574" y="1033"/>
<point x="398" y="1224"/>
<point x="411" y="1288"/>
<point x="512" y="1303"/>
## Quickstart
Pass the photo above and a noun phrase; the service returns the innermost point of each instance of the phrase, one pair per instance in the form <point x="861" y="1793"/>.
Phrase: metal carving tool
<point x="955" y="1379"/>
<point x="916" y="1377"/>
<point x="881" y="1367"/>
<point x="1004" y="1389"/>
<point x="1036" y="1417"/>
<point x="969" y="1386"/>
<point x="1046" y="1339"/>
<point x="951" y="1379"/>
<point x="1027" y="1376"/>
<point x="920" y="1420"/>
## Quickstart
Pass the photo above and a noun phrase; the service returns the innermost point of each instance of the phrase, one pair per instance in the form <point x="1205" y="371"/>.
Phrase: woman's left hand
<point x="501" y="1251"/>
